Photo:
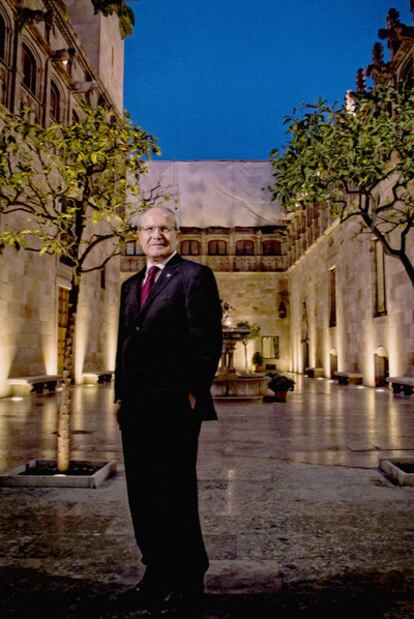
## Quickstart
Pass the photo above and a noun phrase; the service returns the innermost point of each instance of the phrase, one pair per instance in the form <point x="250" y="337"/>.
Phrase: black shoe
<point x="146" y="595"/>
<point x="183" y="604"/>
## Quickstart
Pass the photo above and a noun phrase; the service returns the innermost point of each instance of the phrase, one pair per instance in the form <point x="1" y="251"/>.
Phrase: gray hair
<point x="167" y="210"/>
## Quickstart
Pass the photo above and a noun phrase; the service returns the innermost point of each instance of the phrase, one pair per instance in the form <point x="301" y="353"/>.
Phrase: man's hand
<point x="117" y="413"/>
<point x="192" y="400"/>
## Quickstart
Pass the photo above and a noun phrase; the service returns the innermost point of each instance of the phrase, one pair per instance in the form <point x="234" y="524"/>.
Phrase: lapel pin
<point x="168" y="274"/>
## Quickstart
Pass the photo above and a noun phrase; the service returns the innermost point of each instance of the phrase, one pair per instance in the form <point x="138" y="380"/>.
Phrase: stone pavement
<point x="298" y="520"/>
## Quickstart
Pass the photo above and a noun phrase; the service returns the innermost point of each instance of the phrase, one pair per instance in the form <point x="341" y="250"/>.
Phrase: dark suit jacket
<point x="172" y="344"/>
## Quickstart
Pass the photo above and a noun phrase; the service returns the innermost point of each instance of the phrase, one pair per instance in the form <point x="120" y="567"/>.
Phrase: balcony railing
<point x="131" y="264"/>
<point x="220" y="263"/>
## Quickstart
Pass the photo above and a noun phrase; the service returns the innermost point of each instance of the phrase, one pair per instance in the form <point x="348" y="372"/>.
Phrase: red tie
<point x="148" y="284"/>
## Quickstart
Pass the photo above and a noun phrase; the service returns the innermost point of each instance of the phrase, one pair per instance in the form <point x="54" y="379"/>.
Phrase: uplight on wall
<point x="63" y="56"/>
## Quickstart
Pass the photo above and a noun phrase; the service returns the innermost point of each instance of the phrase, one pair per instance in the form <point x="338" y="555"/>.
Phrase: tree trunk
<point x="409" y="268"/>
<point x="400" y="255"/>
<point x="63" y="431"/>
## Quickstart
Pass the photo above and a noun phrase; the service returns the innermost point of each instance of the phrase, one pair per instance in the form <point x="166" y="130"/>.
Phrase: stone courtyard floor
<point x="298" y="520"/>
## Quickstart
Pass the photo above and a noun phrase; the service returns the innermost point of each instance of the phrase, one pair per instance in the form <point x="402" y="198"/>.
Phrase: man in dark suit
<point x="169" y="345"/>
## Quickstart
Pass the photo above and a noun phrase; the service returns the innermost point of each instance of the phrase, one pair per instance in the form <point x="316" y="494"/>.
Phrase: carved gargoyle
<point x="33" y="16"/>
<point x="396" y="32"/>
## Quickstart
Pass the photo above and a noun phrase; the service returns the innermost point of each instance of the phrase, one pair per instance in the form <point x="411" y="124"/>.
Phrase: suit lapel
<point x="134" y="293"/>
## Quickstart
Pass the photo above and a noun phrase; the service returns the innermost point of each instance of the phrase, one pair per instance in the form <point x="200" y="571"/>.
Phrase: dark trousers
<point x="160" y="440"/>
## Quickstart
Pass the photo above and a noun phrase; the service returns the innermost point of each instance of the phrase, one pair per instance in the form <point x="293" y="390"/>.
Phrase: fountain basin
<point x="233" y="386"/>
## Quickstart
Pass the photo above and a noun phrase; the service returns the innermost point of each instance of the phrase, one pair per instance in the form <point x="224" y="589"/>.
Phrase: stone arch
<point x="30" y="69"/>
<point x="56" y="103"/>
<point x="5" y="34"/>
<point x="5" y="54"/>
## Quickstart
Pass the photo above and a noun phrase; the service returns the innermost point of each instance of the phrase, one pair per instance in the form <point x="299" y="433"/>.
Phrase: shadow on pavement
<point x="31" y="593"/>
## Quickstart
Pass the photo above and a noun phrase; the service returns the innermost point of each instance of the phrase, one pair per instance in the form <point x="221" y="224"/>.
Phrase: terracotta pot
<point x="280" y="396"/>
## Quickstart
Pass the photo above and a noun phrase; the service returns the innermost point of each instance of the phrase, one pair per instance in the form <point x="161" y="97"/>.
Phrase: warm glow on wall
<point x="49" y="352"/>
<point x="81" y="342"/>
<point x="111" y="337"/>
<point x="7" y="352"/>
<point x="393" y="344"/>
<point x="368" y="362"/>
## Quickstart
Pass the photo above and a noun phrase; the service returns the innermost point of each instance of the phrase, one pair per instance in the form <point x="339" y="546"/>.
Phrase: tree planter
<point x="44" y="474"/>
<point x="280" y="385"/>
<point x="280" y="396"/>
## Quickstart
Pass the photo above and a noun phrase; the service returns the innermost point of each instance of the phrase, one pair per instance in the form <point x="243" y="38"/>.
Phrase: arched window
<point x="130" y="247"/>
<point x="133" y="248"/>
<point x="244" y="248"/>
<point x="55" y="102"/>
<point x="75" y="117"/>
<point x="190" y="248"/>
<point x="2" y="38"/>
<point x="29" y="70"/>
<point x="217" y="248"/>
<point x="272" y="248"/>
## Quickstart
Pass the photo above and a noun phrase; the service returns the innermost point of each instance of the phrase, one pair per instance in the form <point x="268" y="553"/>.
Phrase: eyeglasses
<point x="153" y="229"/>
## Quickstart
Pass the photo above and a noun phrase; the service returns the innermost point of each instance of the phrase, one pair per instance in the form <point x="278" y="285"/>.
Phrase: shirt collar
<point x="160" y="265"/>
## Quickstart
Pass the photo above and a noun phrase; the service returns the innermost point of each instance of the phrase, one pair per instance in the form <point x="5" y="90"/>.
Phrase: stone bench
<point x="23" y="385"/>
<point x="401" y="383"/>
<point x="348" y="378"/>
<point x="315" y="372"/>
<point x="99" y="377"/>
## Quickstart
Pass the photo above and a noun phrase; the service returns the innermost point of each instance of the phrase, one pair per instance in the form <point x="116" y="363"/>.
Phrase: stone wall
<point x="97" y="325"/>
<point x="100" y="37"/>
<point x="29" y="316"/>
<point x="255" y="298"/>
<point x="29" y="283"/>
<point x="359" y="334"/>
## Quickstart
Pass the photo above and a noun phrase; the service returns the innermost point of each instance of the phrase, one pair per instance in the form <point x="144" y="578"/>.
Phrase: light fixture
<point x="282" y="307"/>
<point x="63" y="55"/>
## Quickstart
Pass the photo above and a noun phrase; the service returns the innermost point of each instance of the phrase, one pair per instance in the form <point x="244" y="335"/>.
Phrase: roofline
<point x="210" y="160"/>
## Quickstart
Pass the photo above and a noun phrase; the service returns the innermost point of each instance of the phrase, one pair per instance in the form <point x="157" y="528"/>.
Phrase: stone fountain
<point x="228" y="383"/>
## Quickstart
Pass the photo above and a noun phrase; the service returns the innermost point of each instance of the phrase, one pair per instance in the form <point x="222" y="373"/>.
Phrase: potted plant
<point x="257" y="361"/>
<point x="280" y="385"/>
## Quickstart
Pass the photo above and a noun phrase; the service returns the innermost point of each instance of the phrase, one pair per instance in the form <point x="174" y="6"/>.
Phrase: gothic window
<point x="29" y="70"/>
<point x="75" y="116"/>
<point x="130" y="248"/>
<point x="244" y="248"/>
<point x="217" y="248"/>
<point x="55" y="102"/>
<point x="272" y="248"/>
<point x="380" y="306"/>
<point x="102" y="278"/>
<point x="190" y="248"/>
<point x="2" y="38"/>
<point x="332" y="297"/>
<point x="133" y="248"/>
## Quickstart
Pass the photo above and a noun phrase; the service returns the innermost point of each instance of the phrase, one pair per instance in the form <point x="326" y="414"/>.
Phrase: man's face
<point x="157" y="234"/>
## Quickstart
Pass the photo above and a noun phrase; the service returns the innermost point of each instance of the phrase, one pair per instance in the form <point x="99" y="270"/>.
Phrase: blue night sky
<point x="213" y="79"/>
